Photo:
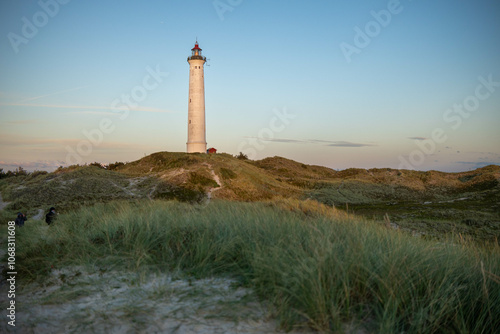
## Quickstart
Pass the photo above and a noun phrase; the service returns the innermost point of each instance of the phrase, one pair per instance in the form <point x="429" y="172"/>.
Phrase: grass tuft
<point x="319" y="267"/>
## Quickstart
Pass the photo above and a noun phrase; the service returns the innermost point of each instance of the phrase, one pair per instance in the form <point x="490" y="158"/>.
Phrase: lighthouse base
<point x="197" y="147"/>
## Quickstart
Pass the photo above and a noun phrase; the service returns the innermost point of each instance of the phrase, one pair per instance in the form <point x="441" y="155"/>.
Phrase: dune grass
<point x="318" y="267"/>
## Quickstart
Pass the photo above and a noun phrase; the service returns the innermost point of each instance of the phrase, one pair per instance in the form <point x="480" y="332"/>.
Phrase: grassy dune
<point x="432" y="203"/>
<point x="318" y="266"/>
<point x="318" y="244"/>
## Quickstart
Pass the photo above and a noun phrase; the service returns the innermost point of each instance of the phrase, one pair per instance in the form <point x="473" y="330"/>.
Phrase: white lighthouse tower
<point x="196" y="108"/>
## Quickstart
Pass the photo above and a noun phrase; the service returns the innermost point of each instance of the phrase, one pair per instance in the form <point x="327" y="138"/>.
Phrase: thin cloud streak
<point x="52" y="94"/>
<point x="24" y="121"/>
<point x="109" y="113"/>
<point x="338" y="143"/>
<point x="55" y="144"/>
<point x="348" y="144"/>
<point x="477" y="163"/>
<point x="279" y="140"/>
<point x="321" y="141"/>
<point x="138" y="108"/>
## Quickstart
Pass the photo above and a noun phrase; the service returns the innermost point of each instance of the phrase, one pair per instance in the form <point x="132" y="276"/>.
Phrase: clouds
<point x="55" y="93"/>
<point x="48" y="153"/>
<point x="104" y="113"/>
<point x="418" y="138"/>
<point x="23" y="122"/>
<point x="32" y="142"/>
<point x="331" y="143"/>
<point x="348" y="144"/>
<point x="124" y="108"/>
<point x="56" y="145"/>
<point x="477" y="164"/>
<point x="32" y="165"/>
<point x="283" y="140"/>
<point x="339" y="143"/>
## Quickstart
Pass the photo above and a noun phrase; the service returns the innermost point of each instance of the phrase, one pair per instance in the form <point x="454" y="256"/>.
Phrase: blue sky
<point x="400" y="84"/>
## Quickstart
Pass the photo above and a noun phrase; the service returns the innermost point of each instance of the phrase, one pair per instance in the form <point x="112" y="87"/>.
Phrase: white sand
<point x="78" y="301"/>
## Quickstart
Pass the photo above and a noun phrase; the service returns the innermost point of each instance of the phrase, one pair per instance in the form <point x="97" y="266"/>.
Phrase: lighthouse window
<point x="189" y="121"/>
<point x="189" y="102"/>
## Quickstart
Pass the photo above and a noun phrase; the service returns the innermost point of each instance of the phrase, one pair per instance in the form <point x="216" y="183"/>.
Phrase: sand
<point x="78" y="300"/>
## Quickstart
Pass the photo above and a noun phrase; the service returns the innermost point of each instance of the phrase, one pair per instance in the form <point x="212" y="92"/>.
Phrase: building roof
<point x="196" y="47"/>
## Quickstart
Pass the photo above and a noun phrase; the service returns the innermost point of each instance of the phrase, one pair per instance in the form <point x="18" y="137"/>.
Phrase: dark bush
<point x="37" y="173"/>
<point x="97" y="164"/>
<point x="114" y="166"/>
<point x="242" y="156"/>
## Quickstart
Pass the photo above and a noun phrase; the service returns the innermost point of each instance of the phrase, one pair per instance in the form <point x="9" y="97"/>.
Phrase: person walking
<point x="51" y="216"/>
<point x="21" y="218"/>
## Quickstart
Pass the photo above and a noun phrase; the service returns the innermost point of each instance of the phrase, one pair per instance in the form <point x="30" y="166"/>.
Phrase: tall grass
<point x="319" y="270"/>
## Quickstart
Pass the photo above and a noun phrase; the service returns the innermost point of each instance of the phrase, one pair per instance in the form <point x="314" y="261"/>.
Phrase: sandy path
<point x="39" y="215"/>
<point x="216" y="179"/>
<point x="2" y="203"/>
<point x="79" y="301"/>
<point x="126" y="190"/>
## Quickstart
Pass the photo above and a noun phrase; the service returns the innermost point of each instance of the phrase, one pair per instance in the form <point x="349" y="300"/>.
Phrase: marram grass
<point x="319" y="268"/>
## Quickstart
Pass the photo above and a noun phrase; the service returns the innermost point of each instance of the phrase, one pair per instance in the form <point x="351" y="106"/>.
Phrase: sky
<point x="411" y="84"/>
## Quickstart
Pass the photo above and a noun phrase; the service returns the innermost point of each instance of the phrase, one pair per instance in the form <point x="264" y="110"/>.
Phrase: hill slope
<point x="410" y="198"/>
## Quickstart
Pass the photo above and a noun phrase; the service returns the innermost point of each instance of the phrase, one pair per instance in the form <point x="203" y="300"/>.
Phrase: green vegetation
<point x="319" y="244"/>
<point x="17" y="172"/>
<point x="197" y="178"/>
<point x="242" y="156"/>
<point x="430" y="203"/>
<point x="318" y="266"/>
<point x="165" y="190"/>
<point x="227" y="173"/>
<point x="67" y="189"/>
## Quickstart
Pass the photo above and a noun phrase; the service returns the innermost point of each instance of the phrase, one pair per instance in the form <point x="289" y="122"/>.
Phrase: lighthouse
<point x="196" y="142"/>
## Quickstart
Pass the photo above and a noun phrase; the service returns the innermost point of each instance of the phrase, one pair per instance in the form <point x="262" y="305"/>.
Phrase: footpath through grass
<point x="320" y="270"/>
